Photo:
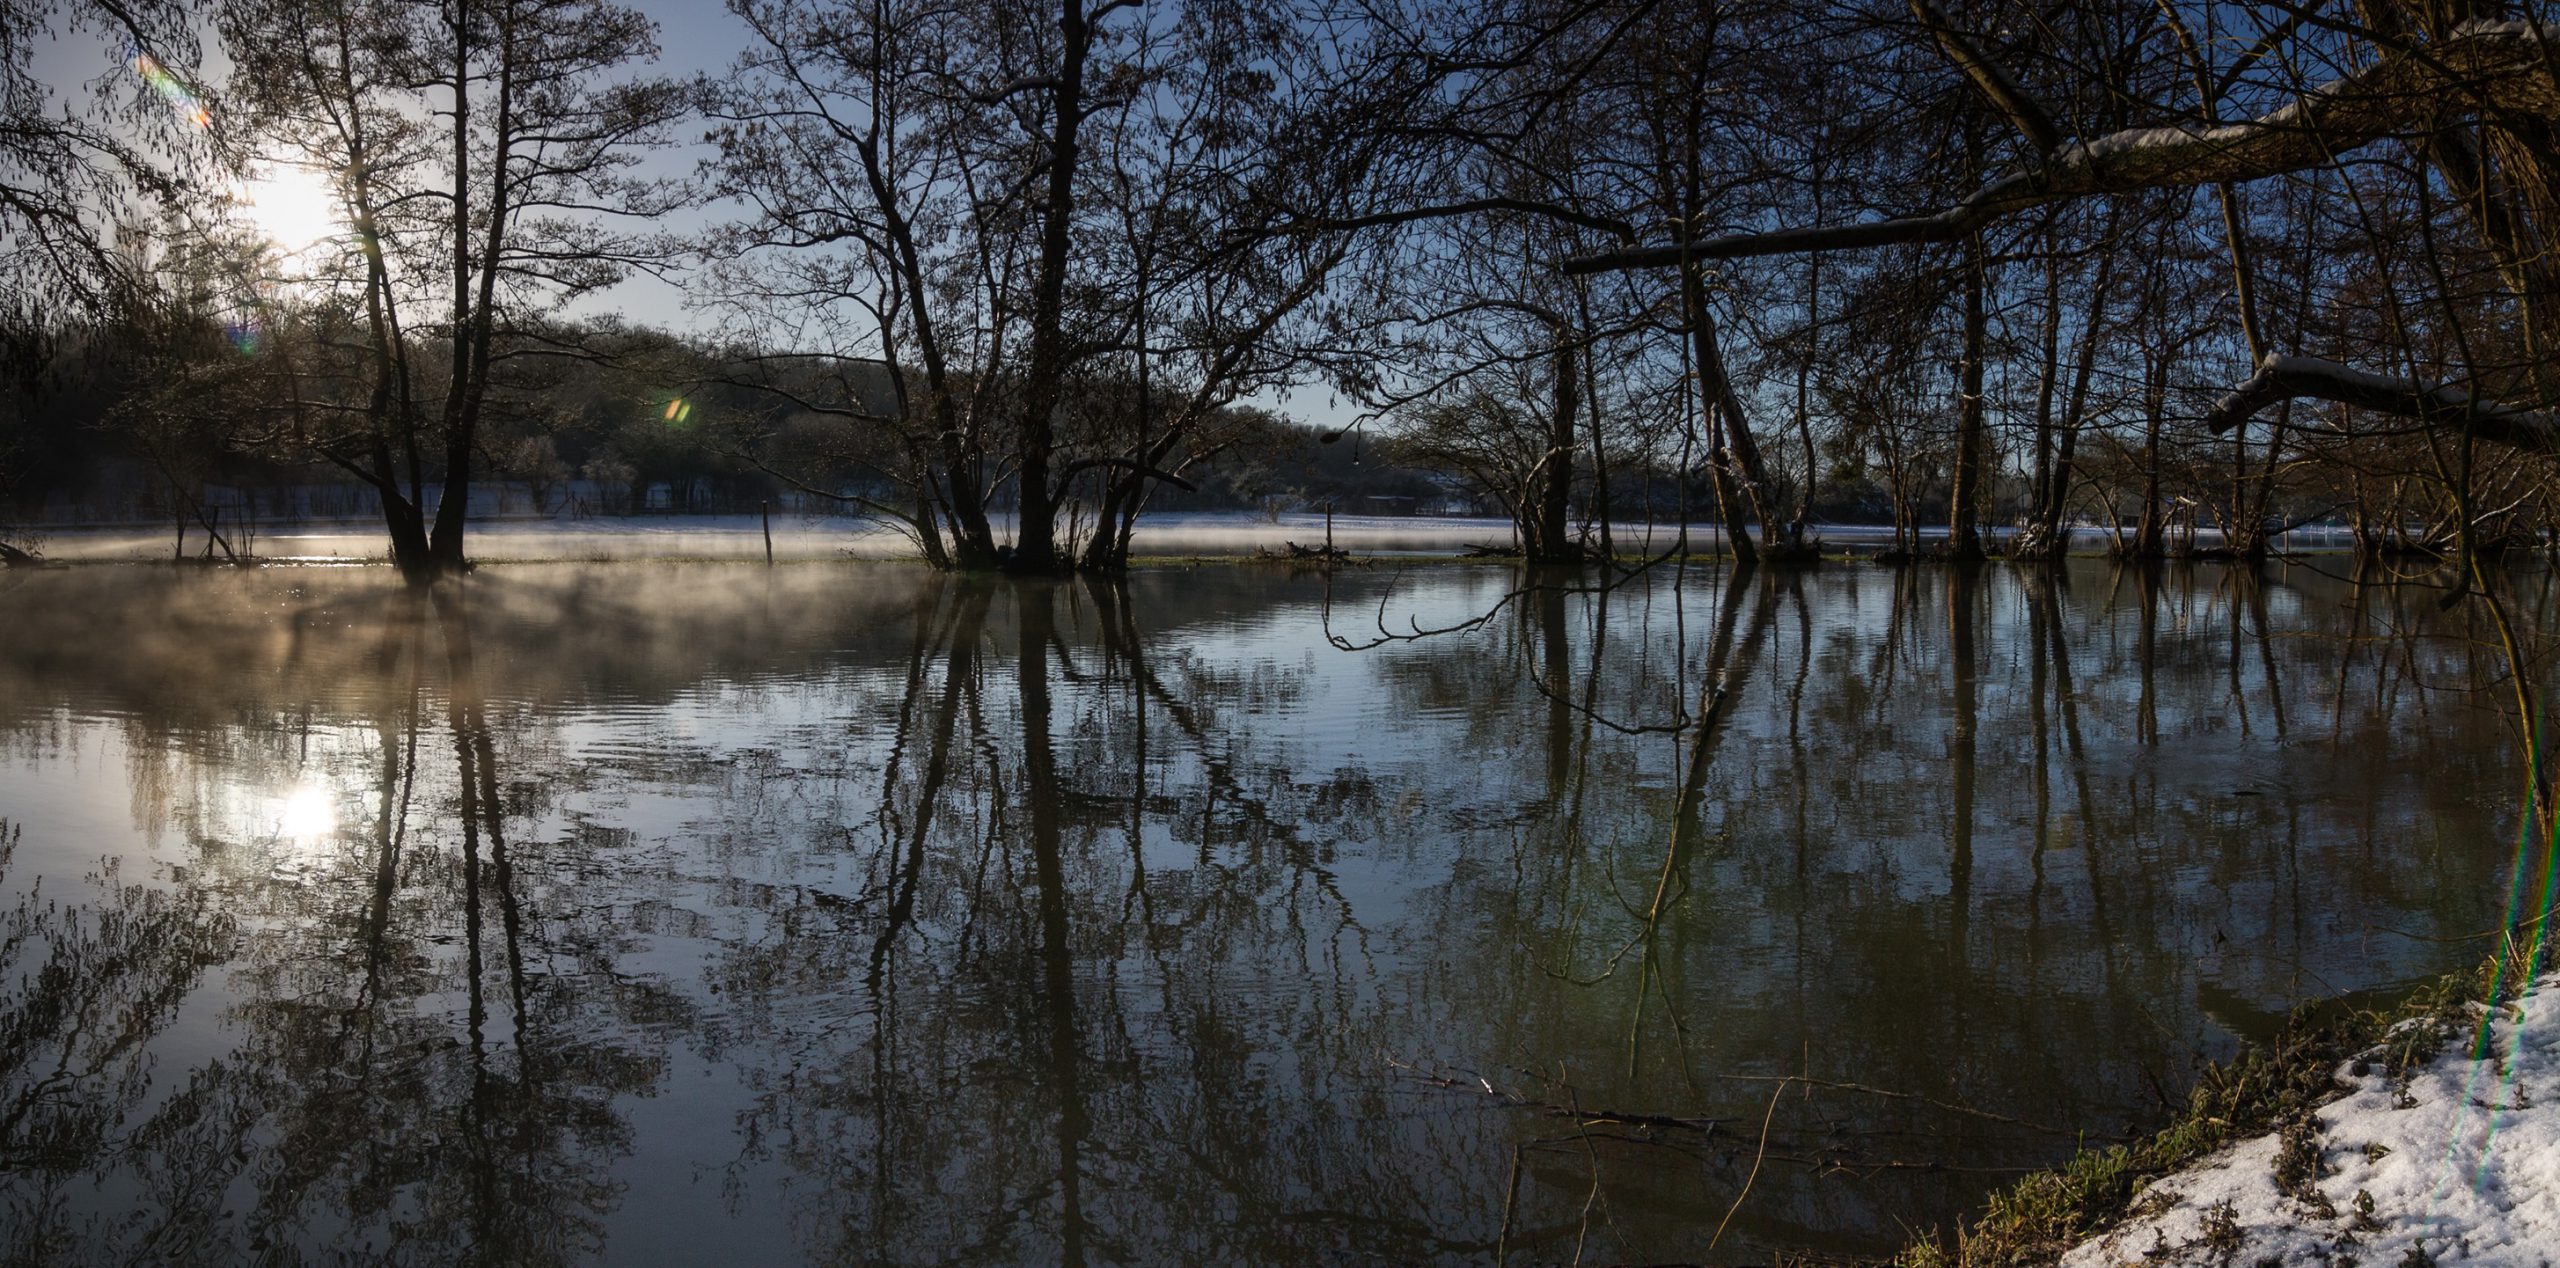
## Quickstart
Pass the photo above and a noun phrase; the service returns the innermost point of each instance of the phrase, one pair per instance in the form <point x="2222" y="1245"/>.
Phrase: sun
<point x="293" y="208"/>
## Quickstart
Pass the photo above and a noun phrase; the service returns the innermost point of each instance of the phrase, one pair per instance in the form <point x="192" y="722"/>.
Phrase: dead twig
<point x="1756" y="1159"/>
<point x="1888" y="1093"/>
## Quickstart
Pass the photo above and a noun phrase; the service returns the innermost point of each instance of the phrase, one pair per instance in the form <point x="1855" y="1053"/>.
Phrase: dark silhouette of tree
<point x="482" y="153"/>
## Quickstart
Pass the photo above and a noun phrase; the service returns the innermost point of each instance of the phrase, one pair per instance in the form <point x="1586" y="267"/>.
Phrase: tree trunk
<point x="452" y="500"/>
<point x="1964" y="498"/>
<point x="1553" y="540"/>
<point x="2033" y="541"/>
<point x="1716" y="397"/>
<point x="929" y="528"/>
<point x="475" y="293"/>
<point x="2057" y="490"/>
<point x="2148" y="540"/>
<point x="1600" y="511"/>
<point x="1102" y="551"/>
<point x="1035" y="542"/>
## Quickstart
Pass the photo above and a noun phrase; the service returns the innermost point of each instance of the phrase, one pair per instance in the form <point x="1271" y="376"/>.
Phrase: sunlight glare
<point x="309" y="812"/>
<point x="292" y="207"/>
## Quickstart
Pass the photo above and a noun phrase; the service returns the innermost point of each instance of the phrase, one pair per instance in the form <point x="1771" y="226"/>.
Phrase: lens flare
<point x="678" y="411"/>
<point x="181" y="98"/>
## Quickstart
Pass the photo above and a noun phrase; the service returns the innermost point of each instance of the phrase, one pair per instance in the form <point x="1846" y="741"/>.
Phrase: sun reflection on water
<point x="308" y="813"/>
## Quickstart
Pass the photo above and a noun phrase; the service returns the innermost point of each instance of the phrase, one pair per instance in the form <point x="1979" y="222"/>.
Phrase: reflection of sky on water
<point x="768" y="938"/>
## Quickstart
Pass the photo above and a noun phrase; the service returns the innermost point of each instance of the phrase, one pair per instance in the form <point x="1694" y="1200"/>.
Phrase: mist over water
<point x="806" y="538"/>
<point x="667" y="912"/>
<point x="802" y="539"/>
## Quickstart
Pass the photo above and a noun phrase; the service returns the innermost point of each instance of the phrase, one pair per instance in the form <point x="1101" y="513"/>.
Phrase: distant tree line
<point x="1009" y="274"/>
<point x="184" y="421"/>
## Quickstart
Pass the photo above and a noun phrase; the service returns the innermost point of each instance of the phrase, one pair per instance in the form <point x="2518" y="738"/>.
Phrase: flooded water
<point x="682" y="913"/>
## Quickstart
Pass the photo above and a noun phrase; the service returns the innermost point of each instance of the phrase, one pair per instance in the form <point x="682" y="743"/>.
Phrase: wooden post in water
<point x="1328" y="528"/>
<point x="767" y="504"/>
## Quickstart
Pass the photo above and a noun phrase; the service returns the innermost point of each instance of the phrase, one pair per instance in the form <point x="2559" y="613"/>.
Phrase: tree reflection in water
<point x="866" y="915"/>
<point x="97" y="967"/>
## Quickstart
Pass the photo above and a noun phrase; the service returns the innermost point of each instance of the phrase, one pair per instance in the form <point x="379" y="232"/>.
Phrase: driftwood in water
<point x="1295" y="552"/>
<point x="11" y="556"/>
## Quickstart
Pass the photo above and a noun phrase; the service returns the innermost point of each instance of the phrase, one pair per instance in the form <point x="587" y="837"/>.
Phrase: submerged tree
<point x="481" y="153"/>
<point x="1064" y="234"/>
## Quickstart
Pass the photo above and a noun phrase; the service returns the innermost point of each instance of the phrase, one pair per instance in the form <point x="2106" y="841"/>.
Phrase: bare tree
<point x="482" y="153"/>
<point x="67" y="173"/>
<point x="1032" y="217"/>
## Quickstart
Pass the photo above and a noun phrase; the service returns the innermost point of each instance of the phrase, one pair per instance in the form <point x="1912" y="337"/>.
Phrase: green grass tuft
<point x="2262" y="1089"/>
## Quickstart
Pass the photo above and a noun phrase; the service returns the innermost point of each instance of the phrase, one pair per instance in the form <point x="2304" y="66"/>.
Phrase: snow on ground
<point x="2461" y="1164"/>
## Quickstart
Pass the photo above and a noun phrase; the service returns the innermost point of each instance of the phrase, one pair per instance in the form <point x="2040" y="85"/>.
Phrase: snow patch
<point x="2459" y="1163"/>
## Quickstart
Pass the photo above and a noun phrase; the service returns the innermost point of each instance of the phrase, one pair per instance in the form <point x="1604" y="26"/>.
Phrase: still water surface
<point x="667" y="913"/>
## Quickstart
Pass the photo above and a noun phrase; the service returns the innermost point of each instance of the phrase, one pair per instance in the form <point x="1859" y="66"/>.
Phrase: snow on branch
<point x="2495" y="66"/>
<point x="2280" y="378"/>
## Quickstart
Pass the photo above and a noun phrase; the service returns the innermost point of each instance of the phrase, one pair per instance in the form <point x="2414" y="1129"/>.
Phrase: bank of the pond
<point x="2406" y="1136"/>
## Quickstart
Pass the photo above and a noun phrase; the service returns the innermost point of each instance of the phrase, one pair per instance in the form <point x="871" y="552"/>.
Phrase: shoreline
<point x="1173" y="538"/>
<point x="2329" y="1144"/>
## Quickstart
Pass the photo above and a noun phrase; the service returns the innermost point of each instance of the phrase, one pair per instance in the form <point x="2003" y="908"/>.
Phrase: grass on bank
<point x="2264" y="1089"/>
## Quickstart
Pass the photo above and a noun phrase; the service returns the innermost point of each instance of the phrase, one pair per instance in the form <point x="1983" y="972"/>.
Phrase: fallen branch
<point x="1552" y="1109"/>
<point x="2281" y="378"/>
<point x="1329" y="554"/>
<point x="2495" y="66"/>
<point x="1889" y="1094"/>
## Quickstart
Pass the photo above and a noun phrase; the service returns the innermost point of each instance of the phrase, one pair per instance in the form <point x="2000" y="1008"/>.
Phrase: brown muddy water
<point x="684" y="913"/>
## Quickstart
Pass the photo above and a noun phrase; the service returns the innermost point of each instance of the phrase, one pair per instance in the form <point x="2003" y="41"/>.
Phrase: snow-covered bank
<point x="2457" y="1163"/>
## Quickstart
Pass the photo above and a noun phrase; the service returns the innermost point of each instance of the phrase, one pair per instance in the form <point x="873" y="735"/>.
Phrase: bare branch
<point x="2498" y="65"/>
<point x="2281" y="378"/>
<point x="1995" y="84"/>
<point x="1470" y="207"/>
<point x="1082" y="465"/>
